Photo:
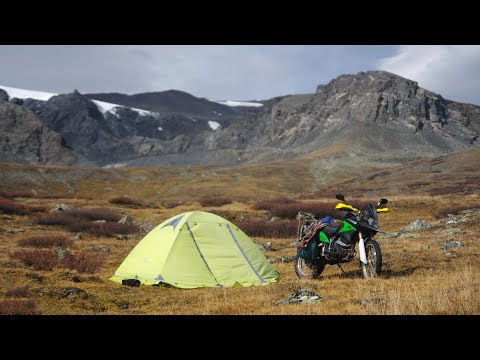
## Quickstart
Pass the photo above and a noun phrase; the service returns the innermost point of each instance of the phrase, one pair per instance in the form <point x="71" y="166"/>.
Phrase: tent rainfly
<point x="196" y="249"/>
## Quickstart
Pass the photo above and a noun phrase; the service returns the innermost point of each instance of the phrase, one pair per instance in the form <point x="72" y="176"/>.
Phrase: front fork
<point x="361" y="249"/>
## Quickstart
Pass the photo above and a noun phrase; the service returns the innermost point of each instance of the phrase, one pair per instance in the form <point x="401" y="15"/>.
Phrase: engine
<point x="338" y="251"/>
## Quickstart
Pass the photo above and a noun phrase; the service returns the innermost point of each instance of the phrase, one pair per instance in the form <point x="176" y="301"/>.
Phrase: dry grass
<point x="103" y="229"/>
<point x="419" y="276"/>
<point x="37" y="259"/>
<point x="214" y="201"/>
<point x="272" y="203"/>
<point x="73" y="216"/>
<point x="18" y="307"/>
<point x="453" y="210"/>
<point x="83" y="262"/>
<point x="50" y="259"/>
<point x="126" y="200"/>
<point x="19" y="292"/>
<point x="288" y="208"/>
<point x="46" y="241"/>
<point x="270" y="229"/>
<point x="36" y="209"/>
<point x="8" y="206"/>
<point x="63" y="218"/>
<point x="94" y="214"/>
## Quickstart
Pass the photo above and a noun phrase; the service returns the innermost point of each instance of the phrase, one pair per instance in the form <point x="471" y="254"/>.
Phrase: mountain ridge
<point x="382" y="117"/>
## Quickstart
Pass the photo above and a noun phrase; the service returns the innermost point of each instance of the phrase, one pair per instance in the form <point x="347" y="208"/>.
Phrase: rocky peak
<point x="379" y="97"/>
<point x="3" y="95"/>
<point x="370" y="80"/>
<point x="25" y="138"/>
<point x="76" y="102"/>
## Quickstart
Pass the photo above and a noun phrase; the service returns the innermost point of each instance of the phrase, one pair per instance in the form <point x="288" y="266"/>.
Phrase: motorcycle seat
<point x="331" y="230"/>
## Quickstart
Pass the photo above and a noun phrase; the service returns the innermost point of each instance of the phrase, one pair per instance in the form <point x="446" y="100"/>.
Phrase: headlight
<point x="372" y="222"/>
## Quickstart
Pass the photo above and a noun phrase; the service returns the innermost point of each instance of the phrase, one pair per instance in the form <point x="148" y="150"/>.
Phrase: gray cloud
<point x="227" y="71"/>
<point x="453" y="71"/>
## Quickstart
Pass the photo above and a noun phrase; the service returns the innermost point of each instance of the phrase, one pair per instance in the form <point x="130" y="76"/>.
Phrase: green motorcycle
<point x="320" y="243"/>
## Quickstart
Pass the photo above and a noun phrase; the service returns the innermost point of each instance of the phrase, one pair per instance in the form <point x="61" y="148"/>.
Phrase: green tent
<point x="196" y="249"/>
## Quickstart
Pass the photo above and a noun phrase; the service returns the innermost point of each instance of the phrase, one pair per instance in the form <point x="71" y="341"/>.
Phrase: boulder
<point x="60" y="207"/>
<point x="452" y="243"/>
<point x="417" y="225"/>
<point x="300" y="296"/>
<point x="126" y="220"/>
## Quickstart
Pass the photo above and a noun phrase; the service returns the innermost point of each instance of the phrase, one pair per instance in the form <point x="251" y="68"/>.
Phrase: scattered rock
<point x="124" y="305"/>
<point x="126" y="220"/>
<point x="417" y="225"/>
<point x="99" y="249"/>
<point x="452" y="243"/>
<point x="14" y="231"/>
<point x="300" y="296"/>
<point x="265" y="247"/>
<point x="70" y="277"/>
<point x="100" y="221"/>
<point x="146" y="227"/>
<point x="78" y="237"/>
<point x="274" y="218"/>
<point x="271" y="260"/>
<point x="287" y="259"/>
<point x="243" y="219"/>
<point x="122" y="237"/>
<point x="60" y="207"/>
<point x="60" y="293"/>
<point x="34" y="276"/>
<point x="407" y="235"/>
<point x="294" y="244"/>
<point x="392" y="235"/>
<point x="451" y="254"/>
<point x="62" y="253"/>
<point x="368" y="301"/>
<point x="450" y="231"/>
<point x="470" y="211"/>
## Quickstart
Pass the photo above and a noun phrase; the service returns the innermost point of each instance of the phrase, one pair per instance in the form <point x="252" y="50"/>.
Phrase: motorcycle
<point x="320" y="243"/>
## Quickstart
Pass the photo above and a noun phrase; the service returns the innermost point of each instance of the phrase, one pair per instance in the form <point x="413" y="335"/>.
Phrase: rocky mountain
<point x="24" y="138"/>
<point x="171" y="101"/>
<point x="364" y="120"/>
<point x="376" y="113"/>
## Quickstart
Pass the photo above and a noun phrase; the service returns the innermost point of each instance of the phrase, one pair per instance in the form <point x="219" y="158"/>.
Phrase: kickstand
<point x="341" y="268"/>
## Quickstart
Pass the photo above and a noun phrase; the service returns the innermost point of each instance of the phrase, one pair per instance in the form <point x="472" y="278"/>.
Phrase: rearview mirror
<point x="340" y="197"/>
<point x="382" y="201"/>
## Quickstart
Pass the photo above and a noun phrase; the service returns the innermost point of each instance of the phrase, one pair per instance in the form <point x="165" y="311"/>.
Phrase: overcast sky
<point x="234" y="72"/>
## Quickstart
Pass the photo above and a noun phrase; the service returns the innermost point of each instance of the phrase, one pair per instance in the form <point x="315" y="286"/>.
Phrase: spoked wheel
<point x="305" y="270"/>
<point x="374" y="259"/>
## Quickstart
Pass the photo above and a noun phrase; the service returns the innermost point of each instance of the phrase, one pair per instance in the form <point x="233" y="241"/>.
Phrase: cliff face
<point x="394" y="112"/>
<point x="25" y="138"/>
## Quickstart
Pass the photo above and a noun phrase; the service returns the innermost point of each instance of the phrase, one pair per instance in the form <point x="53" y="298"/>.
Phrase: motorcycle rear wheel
<point x="308" y="271"/>
<point x="373" y="268"/>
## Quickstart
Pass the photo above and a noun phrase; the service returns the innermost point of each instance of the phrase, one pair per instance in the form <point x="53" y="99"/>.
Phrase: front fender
<point x="361" y="250"/>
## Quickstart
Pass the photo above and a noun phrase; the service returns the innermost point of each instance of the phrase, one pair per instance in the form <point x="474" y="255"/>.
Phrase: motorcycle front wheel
<point x="303" y="270"/>
<point x="373" y="252"/>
